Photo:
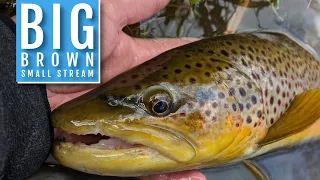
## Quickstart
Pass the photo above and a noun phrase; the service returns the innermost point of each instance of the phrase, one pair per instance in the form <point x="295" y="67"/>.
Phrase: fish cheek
<point x="211" y="138"/>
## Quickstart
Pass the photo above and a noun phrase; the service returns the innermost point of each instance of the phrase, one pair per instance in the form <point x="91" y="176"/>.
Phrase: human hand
<point x="119" y="52"/>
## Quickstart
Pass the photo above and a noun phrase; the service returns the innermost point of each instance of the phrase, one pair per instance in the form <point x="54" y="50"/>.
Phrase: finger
<point x="132" y="52"/>
<point x="190" y="175"/>
<point x="126" y="12"/>
<point x="57" y="99"/>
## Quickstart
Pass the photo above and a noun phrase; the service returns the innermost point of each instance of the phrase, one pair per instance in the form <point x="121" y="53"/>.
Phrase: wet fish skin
<point x="223" y="94"/>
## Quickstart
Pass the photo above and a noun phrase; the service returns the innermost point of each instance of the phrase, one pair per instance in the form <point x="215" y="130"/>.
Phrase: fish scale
<point x="224" y="95"/>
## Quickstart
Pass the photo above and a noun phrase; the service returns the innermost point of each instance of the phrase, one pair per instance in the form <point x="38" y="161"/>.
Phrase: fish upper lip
<point x="166" y="141"/>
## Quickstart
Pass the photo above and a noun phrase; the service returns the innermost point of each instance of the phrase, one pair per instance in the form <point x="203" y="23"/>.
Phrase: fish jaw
<point x="121" y="162"/>
<point x="148" y="147"/>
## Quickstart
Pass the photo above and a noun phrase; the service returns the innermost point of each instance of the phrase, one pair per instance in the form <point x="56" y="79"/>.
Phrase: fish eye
<point x="158" y="101"/>
<point x="159" y="105"/>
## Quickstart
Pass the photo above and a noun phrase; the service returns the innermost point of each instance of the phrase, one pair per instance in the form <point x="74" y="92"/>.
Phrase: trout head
<point x="181" y="110"/>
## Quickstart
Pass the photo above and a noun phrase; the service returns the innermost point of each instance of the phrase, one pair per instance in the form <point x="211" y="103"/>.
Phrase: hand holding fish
<point x="119" y="52"/>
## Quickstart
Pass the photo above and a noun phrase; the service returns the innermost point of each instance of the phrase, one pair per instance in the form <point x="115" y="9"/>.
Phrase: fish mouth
<point x="121" y="149"/>
<point x="92" y="140"/>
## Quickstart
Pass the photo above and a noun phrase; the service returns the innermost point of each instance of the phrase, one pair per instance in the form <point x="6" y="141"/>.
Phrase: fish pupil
<point x="160" y="107"/>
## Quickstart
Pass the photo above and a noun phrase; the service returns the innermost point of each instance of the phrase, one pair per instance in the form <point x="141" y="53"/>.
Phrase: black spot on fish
<point x="192" y="80"/>
<point x="221" y="95"/>
<point x="241" y="107"/>
<point x="214" y="60"/>
<point x="242" y="92"/>
<point x="283" y="94"/>
<point x="248" y="106"/>
<point x="278" y="89"/>
<point x="177" y="71"/>
<point x="250" y="49"/>
<point x="214" y="104"/>
<point x="259" y="114"/>
<point x="234" y="107"/>
<point x="165" y="76"/>
<point x="271" y="100"/>
<point x="251" y="57"/>
<point x="258" y="59"/>
<point x="249" y="119"/>
<point x="232" y="91"/>
<point x="198" y="65"/>
<point x="187" y="66"/>
<point x="254" y="99"/>
<point x="225" y="53"/>
<point x="244" y="62"/>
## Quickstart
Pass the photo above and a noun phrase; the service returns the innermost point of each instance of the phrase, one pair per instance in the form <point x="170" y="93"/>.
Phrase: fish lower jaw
<point x="108" y="156"/>
<point x="147" y="148"/>
<point x="93" y="140"/>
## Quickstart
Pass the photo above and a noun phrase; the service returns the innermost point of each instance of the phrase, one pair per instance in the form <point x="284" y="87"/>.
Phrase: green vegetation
<point x="181" y="16"/>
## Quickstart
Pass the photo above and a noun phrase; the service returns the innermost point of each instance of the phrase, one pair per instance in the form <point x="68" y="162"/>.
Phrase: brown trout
<point x="212" y="102"/>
